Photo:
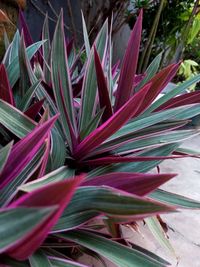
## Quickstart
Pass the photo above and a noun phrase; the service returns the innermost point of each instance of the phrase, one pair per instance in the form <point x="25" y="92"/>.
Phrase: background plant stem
<point x="149" y="44"/>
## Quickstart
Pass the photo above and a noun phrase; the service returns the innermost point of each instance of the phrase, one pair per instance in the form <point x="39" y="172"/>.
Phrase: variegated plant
<point x="77" y="144"/>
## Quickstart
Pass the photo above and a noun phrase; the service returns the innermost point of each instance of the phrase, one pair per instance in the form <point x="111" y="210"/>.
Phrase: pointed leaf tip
<point x="158" y="83"/>
<point x="104" y="98"/>
<point x="129" y="65"/>
<point x="139" y="184"/>
<point x="6" y="93"/>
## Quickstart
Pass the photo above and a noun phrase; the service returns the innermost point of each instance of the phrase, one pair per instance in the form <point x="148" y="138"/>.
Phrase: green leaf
<point x="24" y="81"/>
<point x="156" y="140"/>
<point x="150" y="71"/>
<point x="4" y="153"/>
<point x="175" y="200"/>
<point x="110" y="60"/>
<point x="18" y="222"/>
<point x="59" y="262"/>
<point x="85" y="35"/>
<point x="26" y="100"/>
<point x="46" y="51"/>
<point x="158" y="232"/>
<point x="5" y="60"/>
<point x="118" y="254"/>
<point x="14" y="120"/>
<point x="39" y="259"/>
<point x="194" y="30"/>
<point x="93" y="124"/>
<point x="58" y="148"/>
<point x="13" y="68"/>
<point x="6" y="40"/>
<point x="55" y="176"/>
<point x="14" y="49"/>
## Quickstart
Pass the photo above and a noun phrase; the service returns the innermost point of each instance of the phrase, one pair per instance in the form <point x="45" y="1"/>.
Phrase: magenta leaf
<point x="138" y="79"/>
<point x="5" y="88"/>
<point x="77" y="87"/>
<point x="158" y="83"/>
<point x="119" y="159"/>
<point x="24" y="27"/>
<point x="185" y="99"/>
<point x="115" y="68"/>
<point x="104" y="99"/>
<point x="111" y="125"/>
<point x="46" y="156"/>
<point x="33" y="110"/>
<point x="54" y="194"/>
<point x="139" y="184"/>
<point x="24" y="151"/>
<point x="129" y="65"/>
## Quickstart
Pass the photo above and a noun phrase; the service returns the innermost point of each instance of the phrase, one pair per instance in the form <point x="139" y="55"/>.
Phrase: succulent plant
<point x="78" y="141"/>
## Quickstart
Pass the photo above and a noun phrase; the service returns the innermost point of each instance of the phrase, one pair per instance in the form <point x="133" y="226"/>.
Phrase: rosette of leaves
<point x="77" y="145"/>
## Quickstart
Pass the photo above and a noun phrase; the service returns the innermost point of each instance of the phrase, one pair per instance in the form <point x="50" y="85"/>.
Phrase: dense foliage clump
<point x="77" y="144"/>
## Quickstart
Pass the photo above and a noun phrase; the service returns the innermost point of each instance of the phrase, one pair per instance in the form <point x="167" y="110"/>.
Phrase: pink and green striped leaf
<point x="185" y="99"/>
<point x="28" y="97"/>
<point x="18" y="222"/>
<point x="60" y="174"/>
<point x="129" y="65"/>
<point x="24" y="150"/>
<point x="14" y="120"/>
<point x="89" y="90"/>
<point x="13" y="69"/>
<point x="91" y="201"/>
<point x="135" y="183"/>
<point x="8" y="193"/>
<point x="61" y="80"/>
<point x="158" y="83"/>
<point x="103" y="92"/>
<point x="46" y="51"/>
<point x="62" y="193"/>
<point x="24" y="27"/>
<point x="179" y="89"/>
<point x="4" y="154"/>
<point x="176" y="200"/>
